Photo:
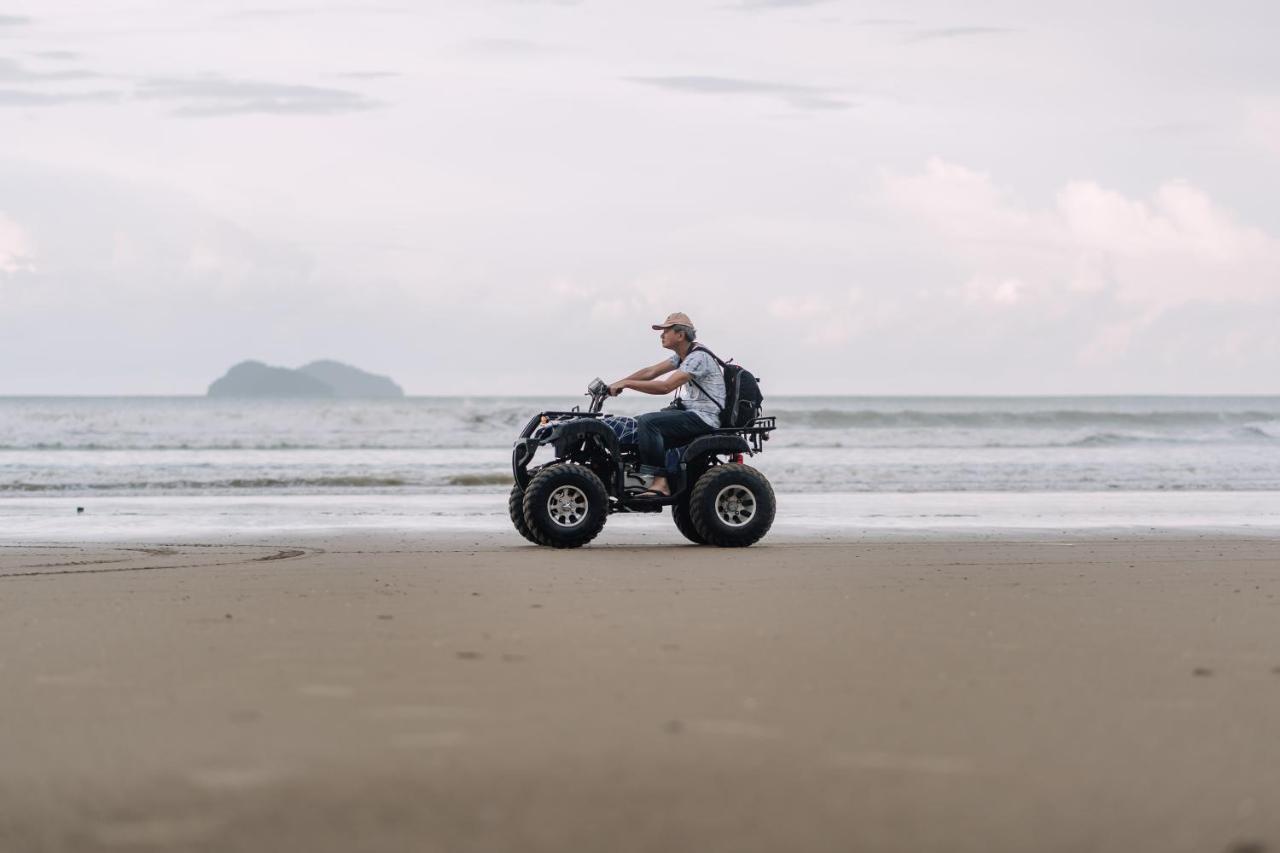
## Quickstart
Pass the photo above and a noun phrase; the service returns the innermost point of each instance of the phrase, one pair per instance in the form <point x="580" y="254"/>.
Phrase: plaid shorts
<point x="623" y="427"/>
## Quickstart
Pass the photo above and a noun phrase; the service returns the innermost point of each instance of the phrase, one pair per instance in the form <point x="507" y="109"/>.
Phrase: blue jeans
<point x="656" y="431"/>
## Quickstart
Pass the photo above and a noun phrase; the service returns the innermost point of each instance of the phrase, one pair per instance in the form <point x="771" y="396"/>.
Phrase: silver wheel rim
<point x="567" y="506"/>
<point x="735" y="505"/>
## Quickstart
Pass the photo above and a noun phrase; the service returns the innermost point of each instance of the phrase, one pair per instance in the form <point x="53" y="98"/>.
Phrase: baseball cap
<point x="679" y="318"/>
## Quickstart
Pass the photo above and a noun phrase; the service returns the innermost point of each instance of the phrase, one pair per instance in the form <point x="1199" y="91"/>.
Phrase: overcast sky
<point x="496" y="196"/>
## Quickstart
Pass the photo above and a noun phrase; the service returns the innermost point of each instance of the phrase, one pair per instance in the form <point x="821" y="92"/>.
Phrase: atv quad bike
<point x="563" y="502"/>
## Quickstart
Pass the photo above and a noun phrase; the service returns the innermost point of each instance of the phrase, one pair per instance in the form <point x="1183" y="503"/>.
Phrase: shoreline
<point x="850" y="516"/>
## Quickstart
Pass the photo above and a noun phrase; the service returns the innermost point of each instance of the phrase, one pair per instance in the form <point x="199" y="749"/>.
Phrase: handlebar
<point x="597" y="391"/>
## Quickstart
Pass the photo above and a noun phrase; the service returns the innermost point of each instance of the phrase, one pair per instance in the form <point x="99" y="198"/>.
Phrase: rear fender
<point x="711" y="444"/>
<point x="696" y="457"/>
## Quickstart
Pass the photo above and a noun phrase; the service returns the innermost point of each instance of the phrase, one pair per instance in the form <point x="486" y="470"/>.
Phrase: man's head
<point x="676" y="329"/>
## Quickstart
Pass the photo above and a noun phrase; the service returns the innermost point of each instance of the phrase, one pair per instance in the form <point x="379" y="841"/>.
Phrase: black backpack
<point x="742" y="397"/>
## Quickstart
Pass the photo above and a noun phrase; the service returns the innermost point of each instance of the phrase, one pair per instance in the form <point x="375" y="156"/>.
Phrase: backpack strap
<point x="692" y="350"/>
<point x="697" y="347"/>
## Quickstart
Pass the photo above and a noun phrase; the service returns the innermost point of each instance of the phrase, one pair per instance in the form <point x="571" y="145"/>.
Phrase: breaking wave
<point x="1056" y="418"/>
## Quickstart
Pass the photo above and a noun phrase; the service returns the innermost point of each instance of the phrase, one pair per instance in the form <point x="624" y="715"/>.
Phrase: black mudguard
<point x="694" y="457"/>
<point x="713" y="444"/>
<point x="521" y="453"/>
<point x="564" y="437"/>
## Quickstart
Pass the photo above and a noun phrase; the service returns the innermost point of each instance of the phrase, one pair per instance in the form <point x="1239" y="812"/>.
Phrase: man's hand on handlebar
<point x="617" y="387"/>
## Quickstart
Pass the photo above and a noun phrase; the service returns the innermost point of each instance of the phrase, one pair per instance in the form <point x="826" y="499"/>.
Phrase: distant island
<point x="317" y="379"/>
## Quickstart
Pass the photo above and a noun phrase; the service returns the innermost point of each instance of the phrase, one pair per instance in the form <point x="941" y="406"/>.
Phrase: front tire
<point x="732" y="506"/>
<point x="515" y="509"/>
<point x="565" y="506"/>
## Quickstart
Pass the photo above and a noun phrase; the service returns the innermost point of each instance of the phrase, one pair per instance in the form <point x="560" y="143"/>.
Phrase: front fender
<point x="567" y="435"/>
<point x="564" y="437"/>
<point x="521" y="453"/>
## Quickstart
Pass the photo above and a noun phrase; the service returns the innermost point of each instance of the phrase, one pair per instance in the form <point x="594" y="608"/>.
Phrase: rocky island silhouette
<point x="324" y="378"/>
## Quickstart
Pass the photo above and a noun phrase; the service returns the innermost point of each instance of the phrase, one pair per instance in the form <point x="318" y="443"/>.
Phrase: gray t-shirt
<point x="703" y="368"/>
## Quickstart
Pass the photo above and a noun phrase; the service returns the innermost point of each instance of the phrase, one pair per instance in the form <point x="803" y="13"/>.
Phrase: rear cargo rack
<point x="756" y="433"/>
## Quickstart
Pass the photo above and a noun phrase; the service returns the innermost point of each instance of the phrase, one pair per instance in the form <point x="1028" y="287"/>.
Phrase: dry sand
<point x="464" y="693"/>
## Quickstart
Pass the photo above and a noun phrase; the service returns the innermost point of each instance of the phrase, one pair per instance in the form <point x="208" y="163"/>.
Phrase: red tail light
<point x="737" y="457"/>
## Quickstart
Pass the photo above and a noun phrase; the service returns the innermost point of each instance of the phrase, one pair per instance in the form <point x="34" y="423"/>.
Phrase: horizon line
<point x="952" y="395"/>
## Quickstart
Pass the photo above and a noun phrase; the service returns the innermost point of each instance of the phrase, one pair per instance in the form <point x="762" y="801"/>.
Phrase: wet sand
<point x="466" y="693"/>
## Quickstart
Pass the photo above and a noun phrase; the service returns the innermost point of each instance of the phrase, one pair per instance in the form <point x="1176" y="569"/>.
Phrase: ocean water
<point x="195" y="445"/>
<point x="384" y="451"/>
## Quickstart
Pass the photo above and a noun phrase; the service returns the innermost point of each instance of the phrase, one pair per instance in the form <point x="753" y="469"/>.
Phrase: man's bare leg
<point x="660" y="485"/>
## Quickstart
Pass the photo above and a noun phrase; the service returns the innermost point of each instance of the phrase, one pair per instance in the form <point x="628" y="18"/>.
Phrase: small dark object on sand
<point x="79" y="510"/>
<point x="1202" y="671"/>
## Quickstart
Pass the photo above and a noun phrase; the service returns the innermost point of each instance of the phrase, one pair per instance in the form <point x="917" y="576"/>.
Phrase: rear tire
<point x="565" y="506"/>
<point x="732" y="506"/>
<point x="680" y="515"/>
<point x="515" y="509"/>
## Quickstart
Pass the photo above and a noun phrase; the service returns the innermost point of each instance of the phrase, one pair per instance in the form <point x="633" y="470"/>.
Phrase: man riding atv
<point x="696" y="452"/>
<point x="692" y="413"/>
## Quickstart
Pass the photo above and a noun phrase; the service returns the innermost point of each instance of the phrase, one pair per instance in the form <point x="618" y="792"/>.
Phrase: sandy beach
<point x="1088" y="691"/>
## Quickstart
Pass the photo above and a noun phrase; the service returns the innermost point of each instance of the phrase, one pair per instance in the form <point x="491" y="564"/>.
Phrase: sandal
<point x="649" y="495"/>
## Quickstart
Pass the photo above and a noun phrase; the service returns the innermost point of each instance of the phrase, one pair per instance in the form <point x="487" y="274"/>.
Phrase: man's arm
<point x="665" y="385"/>
<point x="644" y="374"/>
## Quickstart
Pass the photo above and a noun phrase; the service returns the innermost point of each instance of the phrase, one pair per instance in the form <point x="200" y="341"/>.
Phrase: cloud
<point x="211" y="95"/>
<point x="368" y="75"/>
<point x="507" y="45"/>
<point x="207" y="95"/>
<point x="14" y="20"/>
<point x="56" y="54"/>
<point x="15" y="248"/>
<point x="831" y="320"/>
<point x="93" y="242"/>
<point x="1140" y="257"/>
<point x="799" y="97"/>
<point x="960" y="32"/>
<point x="311" y="11"/>
<point x="1176" y="128"/>
<point x="1262" y="124"/>
<point x="13" y="72"/>
<point x="18" y="98"/>
<point x="779" y="4"/>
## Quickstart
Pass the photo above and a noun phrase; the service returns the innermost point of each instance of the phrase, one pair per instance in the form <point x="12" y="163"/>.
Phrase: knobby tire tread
<point x="680" y="515"/>
<point x="540" y="488"/>
<point x="515" y="509"/>
<point x="702" y="511"/>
